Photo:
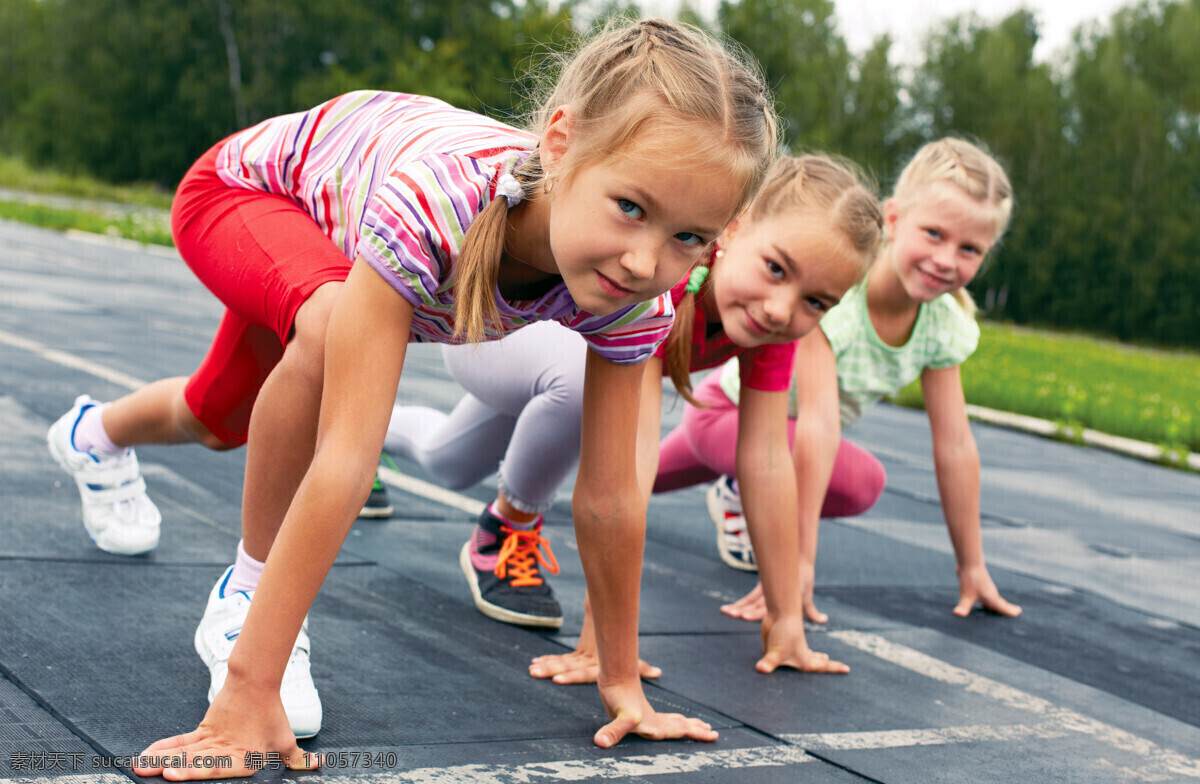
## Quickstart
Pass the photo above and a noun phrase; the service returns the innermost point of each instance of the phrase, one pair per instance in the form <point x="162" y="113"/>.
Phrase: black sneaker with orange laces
<point x="501" y="566"/>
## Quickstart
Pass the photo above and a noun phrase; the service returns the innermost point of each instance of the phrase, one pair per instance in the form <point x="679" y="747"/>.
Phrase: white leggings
<point x="521" y="415"/>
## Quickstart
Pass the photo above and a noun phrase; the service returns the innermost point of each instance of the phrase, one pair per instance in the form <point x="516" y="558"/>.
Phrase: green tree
<point x="1136" y="164"/>
<point x="982" y="82"/>
<point x="805" y="59"/>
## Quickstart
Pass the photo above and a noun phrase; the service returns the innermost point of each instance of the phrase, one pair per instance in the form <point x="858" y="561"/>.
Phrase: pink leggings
<point x="705" y="446"/>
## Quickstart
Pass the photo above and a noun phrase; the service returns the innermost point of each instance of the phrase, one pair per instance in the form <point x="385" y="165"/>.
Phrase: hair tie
<point x="510" y="188"/>
<point x="696" y="279"/>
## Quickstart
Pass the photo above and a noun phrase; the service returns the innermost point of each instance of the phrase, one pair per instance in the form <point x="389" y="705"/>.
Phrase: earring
<point x="547" y="186"/>
<point x="720" y="254"/>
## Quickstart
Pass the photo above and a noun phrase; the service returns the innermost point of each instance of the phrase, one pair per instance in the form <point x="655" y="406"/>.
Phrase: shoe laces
<point x="520" y="555"/>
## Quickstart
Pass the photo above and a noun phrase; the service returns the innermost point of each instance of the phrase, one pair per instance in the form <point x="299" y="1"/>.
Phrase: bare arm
<point x="649" y="423"/>
<point x="610" y="524"/>
<point x="956" y="463"/>
<point x="818" y="432"/>
<point x="582" y="665"/>
<point x="768" y="488"/>
<point x="247" y="714"/>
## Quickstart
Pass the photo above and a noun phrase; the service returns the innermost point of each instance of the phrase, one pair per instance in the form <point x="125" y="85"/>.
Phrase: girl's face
<point x="938" y="240"/>
<point x="625" y="230"/>
<point x="778" y="276"/>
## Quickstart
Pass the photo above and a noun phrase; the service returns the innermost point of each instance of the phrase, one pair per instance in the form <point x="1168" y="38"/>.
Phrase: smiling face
<point x="621" y="228"/>
<point x="626" y="229"/>
<point x="778" y="275"/>
<point x="938" y="240"/>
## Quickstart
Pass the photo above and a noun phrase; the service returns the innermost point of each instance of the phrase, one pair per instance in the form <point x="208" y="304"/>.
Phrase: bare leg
<point x="513" y="513"/>
<point x="283" y="425"/>
<point x="157" y="414"/>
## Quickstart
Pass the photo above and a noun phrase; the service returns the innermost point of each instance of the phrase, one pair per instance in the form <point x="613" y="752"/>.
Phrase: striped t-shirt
<point x="869" y="369"/>
<point x="397" y="179"/>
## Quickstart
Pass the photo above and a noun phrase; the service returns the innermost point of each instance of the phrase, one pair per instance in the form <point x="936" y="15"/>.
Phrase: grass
<point x="151" y="228"/>
<point x="15" y="174"/>
<point x="1078" y="381"/>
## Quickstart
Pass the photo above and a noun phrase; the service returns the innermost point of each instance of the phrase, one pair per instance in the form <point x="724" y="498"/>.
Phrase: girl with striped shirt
<point x="461" y="229"/>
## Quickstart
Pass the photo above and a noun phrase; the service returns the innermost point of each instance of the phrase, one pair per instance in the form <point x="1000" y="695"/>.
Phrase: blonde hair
<point x="972" y="169"/>
<point x="834" y="188"/>
<point x="624" y="83"/>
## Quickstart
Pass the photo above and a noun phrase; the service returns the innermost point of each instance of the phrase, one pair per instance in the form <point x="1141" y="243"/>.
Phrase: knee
<point x="866" y="489"/>
<point x="451" y="471"/>
<point x="210" y="441"/>
<point x="198" y="432"/>
<point x="564" y="393"/>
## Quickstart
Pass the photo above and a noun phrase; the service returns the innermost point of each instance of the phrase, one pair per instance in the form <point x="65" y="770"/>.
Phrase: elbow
<point x="822" y="433"/>
<point x="607" y="508"/>
<point x="960" y="452"/>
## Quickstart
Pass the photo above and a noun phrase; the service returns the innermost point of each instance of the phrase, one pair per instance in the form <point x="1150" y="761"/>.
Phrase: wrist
<point x="970" y="564"/>
<point x="243" y="677"/>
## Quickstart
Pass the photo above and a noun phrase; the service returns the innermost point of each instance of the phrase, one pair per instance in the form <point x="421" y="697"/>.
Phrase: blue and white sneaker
<point x="733" y="536"/>
<point x="118" y="515"/>
<point x="218" y="631"/>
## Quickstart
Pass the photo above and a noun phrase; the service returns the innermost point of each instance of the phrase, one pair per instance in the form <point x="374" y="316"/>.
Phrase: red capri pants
<point x="262" y="255"/>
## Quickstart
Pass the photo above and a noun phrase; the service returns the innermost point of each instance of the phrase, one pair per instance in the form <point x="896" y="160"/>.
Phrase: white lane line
<point x="582" y="770"/>
<point x="1160" y="762"/>
<point x="71" y="361"/>
<point x="431" y="491"/>
<point x="898" y="739"/>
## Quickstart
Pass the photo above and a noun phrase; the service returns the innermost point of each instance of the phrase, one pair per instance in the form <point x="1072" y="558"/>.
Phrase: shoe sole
<point x="61" y="460"/>
<point x="495" y="612"/>
<point x="376" y="512"/>
<point x="208" y="657"/>
<point x="717" y="515"/>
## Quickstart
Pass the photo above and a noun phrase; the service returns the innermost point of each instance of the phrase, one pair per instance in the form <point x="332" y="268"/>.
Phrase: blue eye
<point x="934" y="233"/>
<point x="775" y="269"/>
<point x="689" y="238"/>
<point x="630" y="209"/>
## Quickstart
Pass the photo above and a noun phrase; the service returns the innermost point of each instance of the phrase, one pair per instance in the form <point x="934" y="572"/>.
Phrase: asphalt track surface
<point x="1095" y="682"/>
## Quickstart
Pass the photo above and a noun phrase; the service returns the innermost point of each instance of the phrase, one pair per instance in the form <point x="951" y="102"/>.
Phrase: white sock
<point x="246" y="572"/>
<point x="90" y="435"/>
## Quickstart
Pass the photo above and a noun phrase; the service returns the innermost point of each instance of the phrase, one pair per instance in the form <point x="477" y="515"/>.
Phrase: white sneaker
<point x="733" y="536"/>
<point x="215" y="636"/>
<point x="117" y="513"/>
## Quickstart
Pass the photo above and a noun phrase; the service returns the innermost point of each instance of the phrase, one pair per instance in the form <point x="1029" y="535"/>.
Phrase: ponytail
<point x="477" y="273"/>
<point x="679" y="348"/>
<point x="965" y="301"/>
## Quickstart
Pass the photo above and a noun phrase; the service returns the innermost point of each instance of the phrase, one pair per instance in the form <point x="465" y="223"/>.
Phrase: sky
<point x="907" y="21"/>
